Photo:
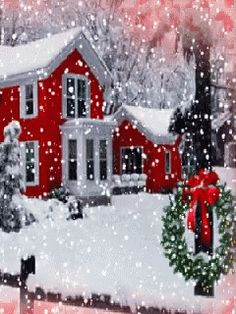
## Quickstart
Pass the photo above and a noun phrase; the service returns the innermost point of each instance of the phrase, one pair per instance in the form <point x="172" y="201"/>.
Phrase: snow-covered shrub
<point x="11" y="180"/>
<point x="61" y="194"/>
<point x="73" y="205"/>
<point x="143" y="177"/>
<point x="75" y="209"/>
<point x="125" y="177"/>
<point x="134" y="176"/>
<point x="116" y="179"/>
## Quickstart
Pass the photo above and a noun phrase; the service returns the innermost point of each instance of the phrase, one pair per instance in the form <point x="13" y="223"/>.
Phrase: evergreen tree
<point x="11" y="181"/>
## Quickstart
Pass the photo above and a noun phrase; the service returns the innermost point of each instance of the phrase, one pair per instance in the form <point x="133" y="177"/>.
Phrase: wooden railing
<point x="96" y="301"/>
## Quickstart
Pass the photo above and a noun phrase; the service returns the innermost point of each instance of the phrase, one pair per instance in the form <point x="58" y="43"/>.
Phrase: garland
<point x="195" y="267"/>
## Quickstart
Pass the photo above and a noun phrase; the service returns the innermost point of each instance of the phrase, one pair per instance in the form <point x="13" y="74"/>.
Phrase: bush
<point x="61" y="194"/>
<point x="74" y="205"/>
<point x="11" y="180"/>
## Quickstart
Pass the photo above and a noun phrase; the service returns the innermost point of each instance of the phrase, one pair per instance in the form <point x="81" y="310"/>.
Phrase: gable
<point x="37" y="60"/>
<point x="152" y="123"/>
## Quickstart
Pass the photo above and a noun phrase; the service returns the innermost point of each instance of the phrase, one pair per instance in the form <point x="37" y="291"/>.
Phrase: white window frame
<point x="36" y="162"/>
<point x="169" y="153"/>
<point x="64" y="95"/>
<point x="23" y="114"/>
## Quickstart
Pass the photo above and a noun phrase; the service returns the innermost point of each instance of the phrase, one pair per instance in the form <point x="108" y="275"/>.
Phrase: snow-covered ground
<point x="115" y="250"/>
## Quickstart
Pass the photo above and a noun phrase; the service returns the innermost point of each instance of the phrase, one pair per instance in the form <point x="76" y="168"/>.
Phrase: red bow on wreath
<point x="202" y="190"/>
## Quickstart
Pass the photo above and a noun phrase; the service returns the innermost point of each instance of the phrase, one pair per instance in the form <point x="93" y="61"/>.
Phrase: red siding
<point x="46" y="127"/>
<point x="154" y="164"/>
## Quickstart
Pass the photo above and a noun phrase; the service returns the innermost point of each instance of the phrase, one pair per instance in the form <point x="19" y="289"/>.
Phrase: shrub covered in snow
<point x="73" y="205"/>
<point x="11" y="180"/>
<point x="61" y="194"/>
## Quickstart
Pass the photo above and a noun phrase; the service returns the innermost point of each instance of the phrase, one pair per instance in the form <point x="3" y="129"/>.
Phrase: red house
<point x="57" y="89"/>
<point x="142" y="144"/>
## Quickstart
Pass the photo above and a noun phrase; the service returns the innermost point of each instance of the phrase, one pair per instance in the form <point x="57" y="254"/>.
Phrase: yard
<point x="115" y="250"/>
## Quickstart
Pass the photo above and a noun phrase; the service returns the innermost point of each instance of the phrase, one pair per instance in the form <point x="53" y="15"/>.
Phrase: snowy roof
<point x="41" y="57"/>
<point x="154" y="123"/>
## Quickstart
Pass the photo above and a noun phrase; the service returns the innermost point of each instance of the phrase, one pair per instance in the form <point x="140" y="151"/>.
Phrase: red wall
<point x="154" y="164"/>
<point x="45" y="127"/>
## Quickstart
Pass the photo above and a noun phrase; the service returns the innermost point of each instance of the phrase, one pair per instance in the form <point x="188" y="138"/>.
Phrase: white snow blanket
<point x="115" y="250"/>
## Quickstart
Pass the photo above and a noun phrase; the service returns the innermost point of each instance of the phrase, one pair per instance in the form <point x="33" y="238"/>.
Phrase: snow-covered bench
<point x="128" y="183"/>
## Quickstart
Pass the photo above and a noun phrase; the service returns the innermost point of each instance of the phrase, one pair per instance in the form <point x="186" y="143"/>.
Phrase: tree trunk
<point x="201" y="113"/>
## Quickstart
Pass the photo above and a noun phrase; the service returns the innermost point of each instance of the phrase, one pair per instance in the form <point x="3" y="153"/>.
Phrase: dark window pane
<point x="89" y="149"/>
<point x="103" y="149"/>
<point x="89" y="158"/>
<point x="29" y="91"/>
<point x="70" y="108"/>
<point x="90" y="170"/>
<point x="73" y="170"/>
<point x="132" y="160"/>
<point x="168" y="162"/>
<point x="81" y="108"/>
<point x="29" y="107"/>
<point x="29" y="151"/>
<point x="81" y="89"/>
<point x="30" y="172"/>
<point x="103" y="170"/>
<point x="72" y="149"/>
<point x="70" y="87"/>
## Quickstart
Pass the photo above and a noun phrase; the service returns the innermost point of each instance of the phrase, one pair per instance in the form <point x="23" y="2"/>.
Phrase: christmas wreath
<point x="205" y="190"/>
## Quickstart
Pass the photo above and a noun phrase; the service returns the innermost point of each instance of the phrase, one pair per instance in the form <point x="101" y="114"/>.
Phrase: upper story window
<point x="29" y="100"/>
<point x="76" y="96"/>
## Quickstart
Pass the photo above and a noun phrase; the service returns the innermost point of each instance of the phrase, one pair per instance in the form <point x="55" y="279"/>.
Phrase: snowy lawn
<point x="115" y="250"/>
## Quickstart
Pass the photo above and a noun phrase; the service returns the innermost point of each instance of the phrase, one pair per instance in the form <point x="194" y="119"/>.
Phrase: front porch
<point x="87" y="158"/>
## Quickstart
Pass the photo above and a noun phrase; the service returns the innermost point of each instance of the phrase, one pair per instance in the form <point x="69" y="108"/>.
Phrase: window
<point x="103" y="159"/>
<point x="76" y="96"/>
<point x="31" y="163"/>
<point x="90" y="159"/>
<point x="132" y="160"/>
<point x="29" y="100"/>
<point x="72" y="166"/>
<point x="168" y="162"/>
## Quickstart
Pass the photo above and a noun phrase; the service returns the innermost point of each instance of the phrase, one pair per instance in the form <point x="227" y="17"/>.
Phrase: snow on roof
<point x="154" y="123"/>
<point x="40" y="57"/>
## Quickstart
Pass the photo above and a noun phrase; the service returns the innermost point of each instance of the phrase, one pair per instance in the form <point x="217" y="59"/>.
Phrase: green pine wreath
<point x="195" y="267"/>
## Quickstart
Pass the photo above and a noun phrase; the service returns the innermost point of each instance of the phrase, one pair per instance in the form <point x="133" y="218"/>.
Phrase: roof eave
<point x="122" y="114"/>
<point x="96" y="64"/>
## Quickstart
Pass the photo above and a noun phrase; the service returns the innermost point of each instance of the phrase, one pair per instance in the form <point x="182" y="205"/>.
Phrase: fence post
<point x="27" y="268"/>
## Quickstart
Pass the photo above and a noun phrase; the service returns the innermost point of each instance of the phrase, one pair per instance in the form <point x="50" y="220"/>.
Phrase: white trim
<point x="36" y="162"/>
<point x="168" y="152"/>
<point x="136" y="146"/>
<point x="64" y="95"/>
<point x="23" y="114"/>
